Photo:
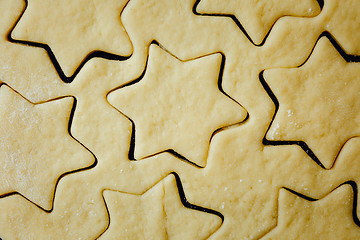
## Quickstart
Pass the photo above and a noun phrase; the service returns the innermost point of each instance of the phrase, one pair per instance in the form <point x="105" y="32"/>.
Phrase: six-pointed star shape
<point x="159" y="214"/>
<point x="73" y="29"/>
<point x="35" y="147"/>
<point x="319" y="102"/>
<point x="257" y="17"/>
<point x="328" y="218"/>
<point x="177" y="105"/>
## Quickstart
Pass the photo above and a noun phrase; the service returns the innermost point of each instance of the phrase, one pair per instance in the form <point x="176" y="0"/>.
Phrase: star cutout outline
<point x="131" y="153"/>
<point x="181" y="195"/>
<point x="240" y="26"/>
<point x="300" y="197"/>
<point x="68" y="172"/>
<point x="347" y="57"/>
<point x="53" y="59"/>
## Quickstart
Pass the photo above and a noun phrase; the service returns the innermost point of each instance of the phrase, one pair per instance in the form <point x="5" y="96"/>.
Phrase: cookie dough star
<point x="257" y="17"/>
<point x="159" y="214"/>
<point x="177" y="105"/>
<point x="328" y="218"/>
<point x="73" y="29"/>
<point x="319" y="102"/>
<point x="35" y="147"/>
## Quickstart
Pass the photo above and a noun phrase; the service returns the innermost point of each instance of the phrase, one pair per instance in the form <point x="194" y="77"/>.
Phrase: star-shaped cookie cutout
<point x="160" y="214"/>
<point x="35" y="147"/>
<point x="74" y="31"/>
<point x="256" y="18"/>
<point x="26" y="69"/>
<point x="177" y="105"/>
<point x="328" y="218"/>
<point x="319" y="102"/>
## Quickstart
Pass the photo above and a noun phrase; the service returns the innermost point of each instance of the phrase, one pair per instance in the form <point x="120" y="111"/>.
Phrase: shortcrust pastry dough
<point x="319" y="102"/>
<point x="159" y="215"/>
<point x="74" y="29"/>
<point x="177" y="105"/>
<point x="35" y="147"/>
<point x="304" y="219"/>
<point x="259" y="16"/>
<point x="26" y="69"/>
<point x="241" y="177"/>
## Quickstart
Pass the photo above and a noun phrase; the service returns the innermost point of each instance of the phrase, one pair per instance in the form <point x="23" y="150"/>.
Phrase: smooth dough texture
<point x="257" y="17"/>
<point x="74" y="29"/>
<point x="26" y="69"/>
<point x="177" y="105"/>
<point x="35" y="147"/>
<point x="304" y="219"/>
<point x="159" y="215"/>
<point x="319" y="103"/>
<point x="176" y="124"/>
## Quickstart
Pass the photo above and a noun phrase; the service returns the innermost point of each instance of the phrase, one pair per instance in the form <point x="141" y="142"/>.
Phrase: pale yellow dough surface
<point x="177" y="105"/>
<point x="257" y="17"/>
<point x="74" y="29"/>
<point x="168" y="92"/>
<point x="319" y="102"/>
<point x="303" y="219"/>
<point x="159" y="214"/>
<point x="24" y="68"/>
<point x="35" y="147"/>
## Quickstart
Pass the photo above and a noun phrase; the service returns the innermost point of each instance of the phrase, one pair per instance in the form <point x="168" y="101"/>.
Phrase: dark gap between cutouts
<point x="131" y="153"/>
<point x="189" y="205"/>
<point x="64" y="78"/>
<point x="302" y="144"/>
<point x="355" y="200"/>
<point x="64" y="174"/>
<point x="71" y="117"/>
<point x="240" y="26"/>
<point x="108" y="213"/>
<point x="236" y="21"/>
<point x="265" y="141"/>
